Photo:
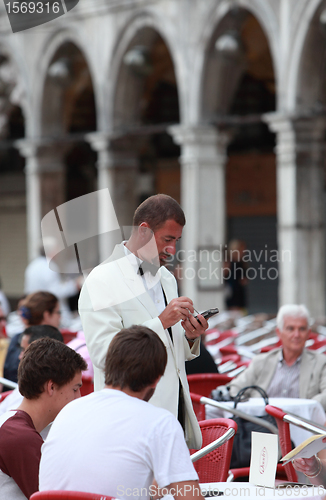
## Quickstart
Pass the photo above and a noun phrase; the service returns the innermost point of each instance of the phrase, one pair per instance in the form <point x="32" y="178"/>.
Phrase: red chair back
<point x="214" y="467"/>
<point x="199" y="409"/>
<point x="67" y="335"/>
<point x="204" y="383"/>
<point x="228" y="349"/>
<point x="68" y="495"/>
<point x="88" y="385"/>
<point x="317" y="344"/>
<point x="285" y="439"/>
<point x="220" y="336"/>
<point x="270" y="347"/>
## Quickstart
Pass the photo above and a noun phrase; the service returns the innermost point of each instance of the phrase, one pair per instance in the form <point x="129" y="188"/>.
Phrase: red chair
<point x="270" y="347"/>
<point x="285" y="438"/>
<point x="67" y="335"/>
<point x="317" y="344"/>
<point x="199" y="409"/>
<point x="220" y="336"/>
<point x="243" y="472"/>
<point x="214" y="467"/>
<point x="3" y="395"/>
<point x="204" y="383"/>
<point x="68" y="495"/>
<point x="88" y="385"/>
<point x="228" y="349"/>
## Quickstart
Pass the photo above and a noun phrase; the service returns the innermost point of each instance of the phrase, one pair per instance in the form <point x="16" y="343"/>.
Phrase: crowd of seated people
<point x="130" y="447"/>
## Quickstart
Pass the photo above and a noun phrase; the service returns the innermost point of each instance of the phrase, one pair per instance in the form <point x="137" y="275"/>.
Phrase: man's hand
<point x="178" y="309"/>
<point x="193" y="329"/>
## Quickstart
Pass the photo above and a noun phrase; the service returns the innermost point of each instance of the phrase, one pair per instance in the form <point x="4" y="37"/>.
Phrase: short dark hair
<point x="47" y="359"/>
<point x="158" y="209"/>
<point x="35" y="305"/>
<point x="136" y="358"/>
<point x="36" y="332"/>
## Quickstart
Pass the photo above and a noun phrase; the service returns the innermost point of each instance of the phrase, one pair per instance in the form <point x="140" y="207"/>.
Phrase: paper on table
<point x="263" y="461"/>
<point x="307" y="449"/>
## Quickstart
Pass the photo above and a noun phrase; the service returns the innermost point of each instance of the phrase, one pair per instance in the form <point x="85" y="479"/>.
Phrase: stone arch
<point x="142" y="28"/>
<point x="65" y="110"/>
<point x="50" y="49"/>
<point x="15" y="78"/>
<point x="307" y="66"/>
<point x="215" y="70"/>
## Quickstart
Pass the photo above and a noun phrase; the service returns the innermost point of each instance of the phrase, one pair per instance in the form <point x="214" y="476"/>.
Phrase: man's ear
<point x="145" y="231"/>
<point x="49" y="387"/>
<point x="278" y="333"/>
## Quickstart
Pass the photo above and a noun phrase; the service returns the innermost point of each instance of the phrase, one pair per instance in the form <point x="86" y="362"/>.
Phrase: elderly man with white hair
<point x="290" y="371"/>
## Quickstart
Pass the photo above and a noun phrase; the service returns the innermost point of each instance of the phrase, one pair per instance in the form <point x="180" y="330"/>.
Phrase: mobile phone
<point x="209" y="313"/>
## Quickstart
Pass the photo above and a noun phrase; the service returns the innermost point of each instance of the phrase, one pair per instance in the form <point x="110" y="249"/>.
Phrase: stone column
<point x="117" y="171"/>
<point x="45" y="185"/>
<point x="203" y="158"/>
<point x="29" y="150"/>
<point x="51" y="160"/>
<point x="101" y="142"/>
<point x="301" y="220"/>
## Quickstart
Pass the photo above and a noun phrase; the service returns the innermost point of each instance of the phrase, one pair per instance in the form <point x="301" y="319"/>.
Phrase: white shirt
<point x="114" y="444"/>
<point x="152" y="283"/>
<point x="11" y="402"/>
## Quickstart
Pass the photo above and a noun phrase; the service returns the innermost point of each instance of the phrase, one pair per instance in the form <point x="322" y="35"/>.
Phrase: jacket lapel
<point x="133" y="280"/>
<point x="306" y="370"/>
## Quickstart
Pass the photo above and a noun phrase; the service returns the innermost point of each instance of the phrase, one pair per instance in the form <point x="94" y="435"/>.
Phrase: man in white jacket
<point x="122" y="291"/>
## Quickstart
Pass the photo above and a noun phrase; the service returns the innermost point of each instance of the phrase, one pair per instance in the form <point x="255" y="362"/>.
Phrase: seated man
<point x="49" y="376"/>
<point x="31" y="333"/>
<point x="128" y="441"/>
<point x="290" y="371"/>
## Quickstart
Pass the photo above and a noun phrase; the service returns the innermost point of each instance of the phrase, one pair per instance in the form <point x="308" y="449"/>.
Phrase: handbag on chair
<point x="241" y="451"/>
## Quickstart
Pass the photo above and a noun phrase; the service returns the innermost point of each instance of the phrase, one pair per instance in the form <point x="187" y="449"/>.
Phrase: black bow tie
<point x="147" y="266"/>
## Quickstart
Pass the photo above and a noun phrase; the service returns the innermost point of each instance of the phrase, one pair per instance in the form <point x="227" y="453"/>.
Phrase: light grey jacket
<point x="312" y="383"/>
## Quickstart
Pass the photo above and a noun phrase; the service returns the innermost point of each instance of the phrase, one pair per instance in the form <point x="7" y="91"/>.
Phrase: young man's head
<point x="36" y="332"/>
<point x="136" y="360"/>
<point x="158" y="209"/>
<point x="49" y="362"/>
<point x="162" y="216"/>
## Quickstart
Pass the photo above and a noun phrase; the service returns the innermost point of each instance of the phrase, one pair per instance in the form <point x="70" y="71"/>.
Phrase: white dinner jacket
<point x="114" y="297"/>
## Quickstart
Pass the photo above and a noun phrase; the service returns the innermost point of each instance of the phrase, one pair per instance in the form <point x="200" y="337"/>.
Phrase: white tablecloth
<point x="247" y="491"/>
<point x="306" y="408"/>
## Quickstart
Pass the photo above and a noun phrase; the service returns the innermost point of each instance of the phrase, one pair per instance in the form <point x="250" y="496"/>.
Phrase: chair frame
<point x="8" y="383"/>
<point x="68" y="495"/>
<point x="244" y="471"/>
<point x="283" y="421"/>
<point x="206" y="382"/>
<point x="220" y="461"/>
